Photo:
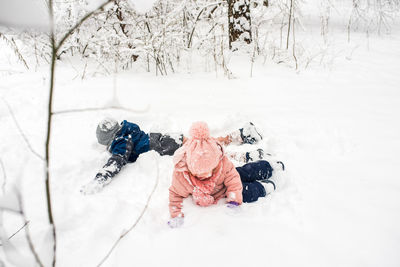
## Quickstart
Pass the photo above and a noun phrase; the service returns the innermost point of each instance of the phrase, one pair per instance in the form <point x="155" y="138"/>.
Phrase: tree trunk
<point x="239" y="23"/>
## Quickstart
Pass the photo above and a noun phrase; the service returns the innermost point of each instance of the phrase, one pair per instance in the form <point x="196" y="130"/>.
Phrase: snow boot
<point x="94" y="186"/>
<point x="269" y="185"/>
<point x="249" y="134"/>
<point x="254" y="155"/>
<point x="246" y="135"/>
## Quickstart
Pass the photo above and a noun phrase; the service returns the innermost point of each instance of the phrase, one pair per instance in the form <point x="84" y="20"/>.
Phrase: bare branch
<point x="26" y="222"/>
<point x="294" y="43"/>
<point x="79" y="23"/>
<point x="49" y="117"/>
<point x="54" y="49"/>
<point x="15" y="49"/>
<point x="137" y="220"/>
<point x="22" y="227"/>
<point x="197" y="19"/>
<point x="289" y="22"/>
<point x="27" y="233"/>
<point x="21" y="132"/>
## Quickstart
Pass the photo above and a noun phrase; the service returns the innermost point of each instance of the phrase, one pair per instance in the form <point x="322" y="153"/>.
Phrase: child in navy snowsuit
<point x="126" y="141"/>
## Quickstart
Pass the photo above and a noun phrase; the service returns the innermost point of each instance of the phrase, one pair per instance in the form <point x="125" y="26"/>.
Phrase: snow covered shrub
<point x="371" y="16"/>
<point x="178" y="35"/>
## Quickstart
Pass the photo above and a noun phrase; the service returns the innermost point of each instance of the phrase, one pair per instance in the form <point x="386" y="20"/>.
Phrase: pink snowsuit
<point x="224" y="182"/>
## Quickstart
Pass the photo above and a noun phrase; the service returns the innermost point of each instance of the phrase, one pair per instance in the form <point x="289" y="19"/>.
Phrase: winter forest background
<point x="319" y="78"/>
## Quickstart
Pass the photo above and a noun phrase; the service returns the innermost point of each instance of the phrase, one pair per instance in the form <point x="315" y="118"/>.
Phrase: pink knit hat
<point x="203" y="153"/>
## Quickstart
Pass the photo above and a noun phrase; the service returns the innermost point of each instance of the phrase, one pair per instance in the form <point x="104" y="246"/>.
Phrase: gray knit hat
<point x="106" y="131"/>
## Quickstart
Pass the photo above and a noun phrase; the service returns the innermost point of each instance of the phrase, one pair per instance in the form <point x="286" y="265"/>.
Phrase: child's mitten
<point x="233" y="208"/>
<point x="92" y="187"/>
<point x="232" y="204"/>
<point x="175" y="222"/>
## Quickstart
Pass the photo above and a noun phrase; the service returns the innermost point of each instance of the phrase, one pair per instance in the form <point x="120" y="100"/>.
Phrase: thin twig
<point x="21" y="131"/>
<point x="137" y="220"/>
<point x="19" y="55"/>
<point x="55" y="47"/>
<point x="15" y="49"/>
<point x="27" y="233"/>
<point x="294" y="43"/>
<point x="26" y="222"/>
<point x="290" y="21"/>
<point x="197" y="19"/>
<point x="22" y="227"/>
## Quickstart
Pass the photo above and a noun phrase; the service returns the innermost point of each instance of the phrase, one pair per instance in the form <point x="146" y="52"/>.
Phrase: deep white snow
<point x="337" y="130"/>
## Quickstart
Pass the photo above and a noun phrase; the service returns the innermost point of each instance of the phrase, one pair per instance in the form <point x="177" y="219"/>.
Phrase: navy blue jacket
<point x="129" y="142"/>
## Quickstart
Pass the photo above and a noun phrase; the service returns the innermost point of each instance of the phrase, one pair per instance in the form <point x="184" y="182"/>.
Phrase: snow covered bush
<point x="175" y="35"/>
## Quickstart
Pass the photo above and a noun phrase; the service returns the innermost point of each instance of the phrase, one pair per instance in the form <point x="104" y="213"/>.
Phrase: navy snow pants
<point x="250" y="174"/>
<point x="164" y="144"/>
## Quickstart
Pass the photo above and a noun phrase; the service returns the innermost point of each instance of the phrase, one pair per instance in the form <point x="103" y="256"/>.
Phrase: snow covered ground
<point x="337" y="130"/>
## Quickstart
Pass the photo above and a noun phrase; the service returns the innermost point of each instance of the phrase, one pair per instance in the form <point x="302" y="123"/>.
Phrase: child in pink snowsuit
<point x="202" y="169"/>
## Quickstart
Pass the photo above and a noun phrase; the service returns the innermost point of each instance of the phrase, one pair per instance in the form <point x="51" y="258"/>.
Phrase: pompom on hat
<point x="203" y="152"/>
<point x="199" y="130"/>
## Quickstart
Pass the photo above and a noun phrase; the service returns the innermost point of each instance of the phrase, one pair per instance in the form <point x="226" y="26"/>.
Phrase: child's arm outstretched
<point x="120" y="154"/>
<point x="111" y="168"/>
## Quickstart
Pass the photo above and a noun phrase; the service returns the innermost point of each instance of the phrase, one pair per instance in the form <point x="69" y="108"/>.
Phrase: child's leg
<point x="250" y="174"/>
<point x="252" y="191"/>
<point x="255" y="171"/>
<point x="246" y="157"/>
<point x="165" y="144"/>
<point x="248" y="134"/>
